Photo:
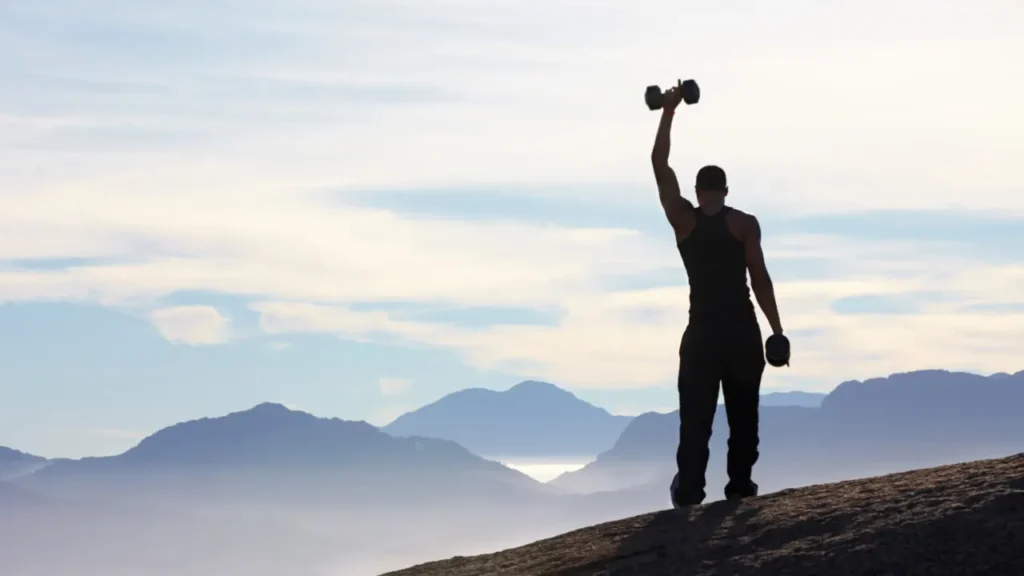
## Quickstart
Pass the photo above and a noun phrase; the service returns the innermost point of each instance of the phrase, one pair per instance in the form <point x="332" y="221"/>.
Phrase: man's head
<point x="711" y="186"/>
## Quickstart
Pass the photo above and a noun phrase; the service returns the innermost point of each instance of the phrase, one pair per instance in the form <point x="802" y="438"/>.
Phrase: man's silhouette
<point x="722" y="342"/>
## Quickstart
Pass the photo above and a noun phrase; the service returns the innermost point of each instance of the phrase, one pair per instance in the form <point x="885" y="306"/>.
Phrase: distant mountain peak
<point x="533" y="384"/>
<point x="272" y="436"/>
<point x="270" y="408"/>
<point x="531" y="418"/>
<point x="537" y="386"/>
<point x="12" y="455"/>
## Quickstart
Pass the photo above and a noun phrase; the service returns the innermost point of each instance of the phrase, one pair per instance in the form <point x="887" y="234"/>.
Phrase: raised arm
<point x="760" y="281"/>
<point x="678" y="210"/>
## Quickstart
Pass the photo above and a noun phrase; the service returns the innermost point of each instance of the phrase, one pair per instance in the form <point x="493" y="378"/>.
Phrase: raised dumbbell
<point x="655" y="98"/>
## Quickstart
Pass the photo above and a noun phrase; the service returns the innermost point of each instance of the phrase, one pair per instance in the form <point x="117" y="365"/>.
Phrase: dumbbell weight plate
<point x="691" y="92"/>
<point x="776" y="350"/>
<point x="654" y="97"/>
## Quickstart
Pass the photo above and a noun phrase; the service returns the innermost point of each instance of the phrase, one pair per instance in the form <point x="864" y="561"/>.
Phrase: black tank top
<point x="717" y="271"/>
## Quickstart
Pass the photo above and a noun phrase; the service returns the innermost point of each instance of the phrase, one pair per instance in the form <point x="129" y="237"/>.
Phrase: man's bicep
<point x="753" y="252"/>
<point x="672" y="201"/>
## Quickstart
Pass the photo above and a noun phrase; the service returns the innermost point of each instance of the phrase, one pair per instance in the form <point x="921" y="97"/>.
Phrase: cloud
<point x="393" y="386"/>
<point x="387" y="415"/>
<point x="192" y="325"/>
<point x="287" y="254"/>
<point x="268" y="242"/>
<point x="604" y="341"/>
<point x="874" y="304"/>
<point x="317" y="92"/>
<point x="197" y="146"/>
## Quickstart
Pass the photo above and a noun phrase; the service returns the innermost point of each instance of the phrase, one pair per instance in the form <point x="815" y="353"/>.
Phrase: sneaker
<point x="677" y="501"/>
<point x="737" y="491"/>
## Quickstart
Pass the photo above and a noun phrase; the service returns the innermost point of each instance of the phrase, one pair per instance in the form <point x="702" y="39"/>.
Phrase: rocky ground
<point x="966" y="519"/>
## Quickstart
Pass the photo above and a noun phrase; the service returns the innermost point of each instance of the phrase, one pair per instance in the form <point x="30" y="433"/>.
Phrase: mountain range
<point x="272" y="449"/>
<point x="271" y="483"/>
<point x="900" y="416"/>
<point x="530" y="419"/>
<point x="881" y="425"/>
<point x="14" y="463"/>
<point x="533" y="420"/>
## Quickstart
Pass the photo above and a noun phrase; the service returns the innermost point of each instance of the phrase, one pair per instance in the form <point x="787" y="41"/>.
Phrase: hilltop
<point x="15" y="463"/>
<point x="271" y="449"/>
<point x="959" y="519"/>
<point x="530" y="419"/>
<point x="533" y="420"/>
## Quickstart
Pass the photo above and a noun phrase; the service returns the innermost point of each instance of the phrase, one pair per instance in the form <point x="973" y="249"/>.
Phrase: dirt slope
<point x="966" y="519"/>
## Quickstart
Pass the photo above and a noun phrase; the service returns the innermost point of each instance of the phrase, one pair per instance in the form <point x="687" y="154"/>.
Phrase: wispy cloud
<point x="385" y="416"/>
<point x="394" y="386"/>
<point x="390" y="93"/>
<point x="193" y="325"/>
<point x="245" y="148"/>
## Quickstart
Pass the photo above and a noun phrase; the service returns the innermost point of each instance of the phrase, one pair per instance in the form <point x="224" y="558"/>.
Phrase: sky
<point x="355" y="207"/>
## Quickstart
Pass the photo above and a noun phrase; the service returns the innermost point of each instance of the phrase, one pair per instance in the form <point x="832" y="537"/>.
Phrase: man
<point x="722" y="342"/>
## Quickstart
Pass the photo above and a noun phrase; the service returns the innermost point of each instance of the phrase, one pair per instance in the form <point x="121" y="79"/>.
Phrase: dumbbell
<point x="776" y="350"/>
<point x="655" y="98"/>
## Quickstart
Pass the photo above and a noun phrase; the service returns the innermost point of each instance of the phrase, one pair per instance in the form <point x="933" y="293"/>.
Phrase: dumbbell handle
<point x="690" y="86"/>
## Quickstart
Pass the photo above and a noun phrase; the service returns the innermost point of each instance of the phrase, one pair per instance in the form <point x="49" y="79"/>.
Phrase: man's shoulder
<point x="744" y="218"/>
<point x="741" y="213"/>
<point x="744" y="225"/>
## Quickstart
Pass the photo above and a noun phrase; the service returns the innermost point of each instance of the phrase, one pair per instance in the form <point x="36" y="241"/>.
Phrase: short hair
<point x="712" y="179"/>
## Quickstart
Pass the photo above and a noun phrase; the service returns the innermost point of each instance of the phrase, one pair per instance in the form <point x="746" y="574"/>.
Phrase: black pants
<point x="731" y="354"/>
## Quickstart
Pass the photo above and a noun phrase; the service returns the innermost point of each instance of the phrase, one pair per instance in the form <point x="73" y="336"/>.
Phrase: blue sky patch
<point x="463" y="316"/>
<point x="875" y="304"/>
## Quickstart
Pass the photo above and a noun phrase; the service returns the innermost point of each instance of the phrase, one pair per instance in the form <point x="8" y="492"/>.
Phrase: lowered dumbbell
<point x="655" y="98"/>
<point x="776" y="350"/>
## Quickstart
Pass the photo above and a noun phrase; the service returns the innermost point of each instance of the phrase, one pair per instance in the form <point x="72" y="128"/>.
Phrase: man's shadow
<point x="669" y="537"/>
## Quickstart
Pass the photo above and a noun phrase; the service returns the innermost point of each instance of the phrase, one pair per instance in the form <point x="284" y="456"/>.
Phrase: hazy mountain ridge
<point x="793" y="398"/>
<point x="263" y="435"/>
<point x="915" y="390"/>
<point x="532" y="419"/>
<point x="15" y="463"/>
<point x="272" y="448"/>
<point x="346" y="490"/>
<point x="905" y="419"/>
<point x="10" y="455"/>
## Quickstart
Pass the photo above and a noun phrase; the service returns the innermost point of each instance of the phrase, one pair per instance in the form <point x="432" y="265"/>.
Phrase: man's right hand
<point x="673" y="96"/>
